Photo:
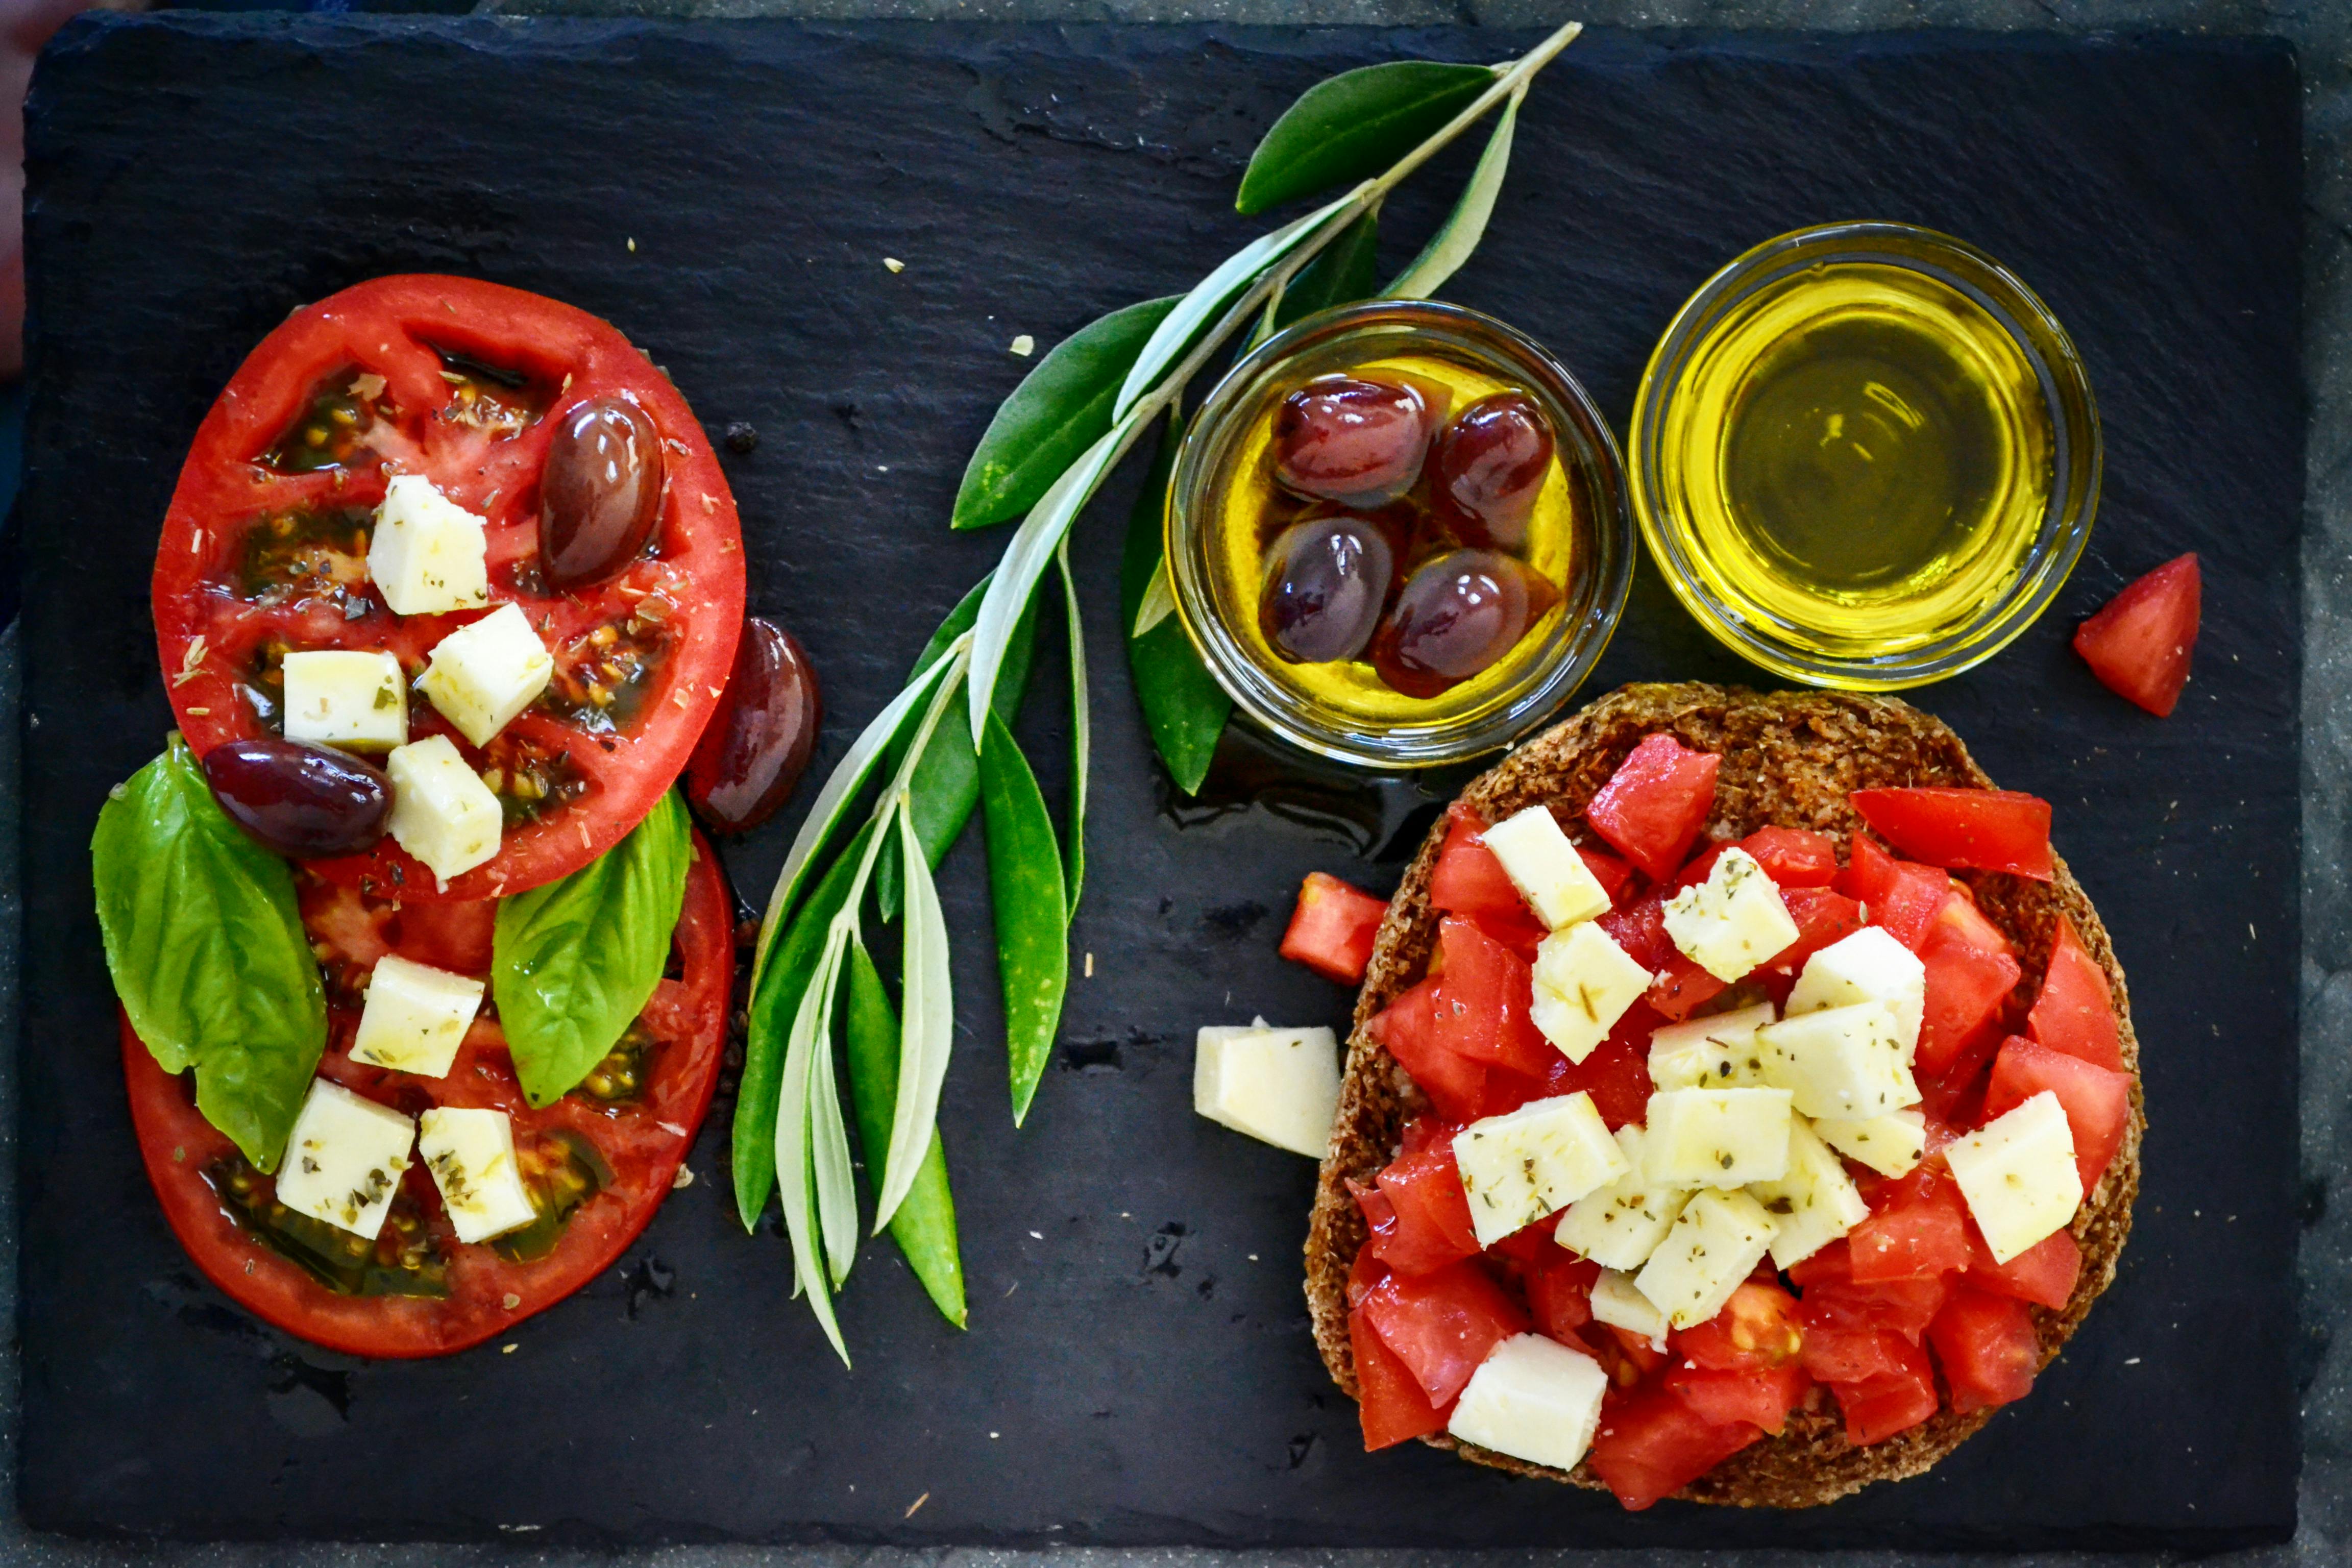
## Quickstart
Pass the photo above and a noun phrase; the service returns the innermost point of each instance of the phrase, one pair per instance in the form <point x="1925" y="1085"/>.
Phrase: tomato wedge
<point x="1407" y="1027"/>
<point x="1332" y="929"/>
<point x="661" y="1084"/>
<point x="1389" y="1404"/>
<point x="1978" y="829"/>
<point x="2076" y="1012"/>
<point x="464" y="383"/>
<point x="1654" y="1445"/>
<point x="2139" y="645"/>
<point x="1900" y="895"/>
<point x="1653" y="807"/>
<point x="1987" y="1347"/>
<point x="1467" y="881"/>
<point x="1432" y="1229"/>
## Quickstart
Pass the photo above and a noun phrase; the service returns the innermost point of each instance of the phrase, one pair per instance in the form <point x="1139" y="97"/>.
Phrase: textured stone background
<point x="2322" y="29"/>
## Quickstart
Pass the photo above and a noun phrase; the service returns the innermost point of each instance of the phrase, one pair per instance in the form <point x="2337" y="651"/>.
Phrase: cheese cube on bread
<point x="1717" y="1051"/>
<point x="1546" y="868"/>
<point x="1715" y="1242"/>
<point x="1526" y="1163"/>
<point x="482" y="675"/>
<point x="1732" y="922"/>
<point x="1815" y="1202"/>
<point x="1844" y="1062"/>
<point x="1715" y="1137"/>
<point x="1619" y="1302"/>
<point x="1891" y="1144"/>
<point x="2019" y="1175"/>
<point x="429" y="554"/>
<point x="1583" y="983"/>
<point x="356" y="698"/>
<point x="1534" y="1399"/>
<point x="1621" y="1224"/>
<point x="415" y="1017"/>
<point x="1868" y="966"/>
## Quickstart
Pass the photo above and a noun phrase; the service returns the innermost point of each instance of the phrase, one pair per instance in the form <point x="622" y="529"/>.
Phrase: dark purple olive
<point x="1455" y="616"/>
<point x="600" y="493"/>
<point x="759" y="743"/>
<point x="1486" y="469"/>
<point x="299" y="800"/>
<point x="1326" y="579"/>
<point x="1359" y="443"/>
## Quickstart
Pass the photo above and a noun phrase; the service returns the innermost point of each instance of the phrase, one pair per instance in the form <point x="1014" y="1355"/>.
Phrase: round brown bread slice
<point x="1790" y="757"/>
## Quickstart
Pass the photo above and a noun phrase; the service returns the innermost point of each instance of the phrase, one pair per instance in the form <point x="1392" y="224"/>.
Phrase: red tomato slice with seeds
<point x="264" y="543"/>
<point x="599" y="1160"/>
<point x="1332" y="929"/>
<point x="1756" y="1330"/>
<point x="2139" y="645"/>
<point x="1653" y="807"/>
<point x="1976" y="829"/>
<point x="2075" y="1013"/>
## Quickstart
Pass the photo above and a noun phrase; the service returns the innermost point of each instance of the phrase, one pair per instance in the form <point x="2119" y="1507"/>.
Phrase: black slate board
<point x="1139" y="1369"/>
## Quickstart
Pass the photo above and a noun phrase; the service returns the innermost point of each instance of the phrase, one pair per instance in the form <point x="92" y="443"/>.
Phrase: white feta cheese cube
<point x="429" y="556"/>
<point x="1732" y="922"/>
<point x="1717" y="1051"/>
<point x="1715" y="1242"/>
<point x="1891" y="1144"/>
<point x="1526" y="1163"/>
<point x="481" y="676"/>
<point x="1846" y="1062"/>
<point x="1277" y="1085"/>
<point x="1815" y="1202"/>
<point x="1621" y="1224"/>
<point x="1715" y="1137"/>
<point x="1583" y="983"/>
<point x="1534" y="1399"/>
<point x="344" y="1159"/>
<point x="471" y="1154"/>
<point x="2019" y="1175"/>
<point x="1868" y="966"/>
<point x="415" y="1017"/>
<point x="1619" y="1302"/>
<point x="442" y="811"/>
<point x="353" y="697"/>
<point x="1546" y="868"/>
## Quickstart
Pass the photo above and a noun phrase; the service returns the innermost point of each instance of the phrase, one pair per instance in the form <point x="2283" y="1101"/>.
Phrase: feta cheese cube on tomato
<point x="471" y="1155"/>
<point x="1868" y="966"/>
<point x="1891" y="1144"/>
<point x="1717" y="1051"/>
<point x="344" y="1159"/>
<point x="1844" y="1062"/>
<point x="429" y="556"/>
<point x="1717" y="1242"/>
<point x="1278" y="1086"/>
<point x="2019" y="1175"/>
<point x="481" y="676"/>
<point x="1815" y="1201"/>
<point x="415" y="1017"/>
<point x="1715" y="1137"/>
<point x="1534" y="1399"/>
<point x="1583" y="983"/>
<point x="1621" y="1224"/>
<point x="1619" y="1302"/>
<point x="1546" y="868"/>
<point x="1526" y="1163"/>
<point x="442" y="811"/>
<point x="1732" y="922"/>
<point x="356" y="698"/>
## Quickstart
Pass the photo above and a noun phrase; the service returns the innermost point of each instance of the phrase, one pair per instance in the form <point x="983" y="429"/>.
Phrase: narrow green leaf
<point x="1346" y="271"/>
<point x="925" y="1226"/>
<point x="1183" y="706"/>
<point x="1081" y="733"/>
<point x="836" y="1181"/>
<point x="796" y="1154"/>
<point x="1024" y="885"/>
<point x="1158" y="601"/>
<point x="926" y="1033"/>
<point x="1451" y="245"/>
<point x="1352" y="127"/>
<point x="1060" y="409"/>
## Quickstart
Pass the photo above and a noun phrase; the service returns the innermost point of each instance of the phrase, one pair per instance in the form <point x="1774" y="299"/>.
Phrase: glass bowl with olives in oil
<point x="1398" y="534"/>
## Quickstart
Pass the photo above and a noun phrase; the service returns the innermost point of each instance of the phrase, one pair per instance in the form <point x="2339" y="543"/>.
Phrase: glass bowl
<point x="2027" y="579"/>
<point x="1591" y="558"/>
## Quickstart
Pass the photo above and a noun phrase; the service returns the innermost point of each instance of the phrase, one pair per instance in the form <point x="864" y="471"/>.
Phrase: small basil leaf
<point x="573" y="962"/>
<point x="1024" y="885"/>
<point x="205" y="943"/>
<point x="1353" y="126"/>
<point x="1465" y="225"/>
<point x="925" y="1226"/>
<point x="1347" y="272"/>
<point x="1182" y="704"/>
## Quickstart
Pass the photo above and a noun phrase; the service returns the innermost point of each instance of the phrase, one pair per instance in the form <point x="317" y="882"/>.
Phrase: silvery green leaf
<point x="794" y="1149"/>
<point x="836" y="1183"/>
<point x="1451" y="245"/>
<point x="1158" y="600"/>
<point x="927" y="1030"/>
<point x="1081" y="730"/>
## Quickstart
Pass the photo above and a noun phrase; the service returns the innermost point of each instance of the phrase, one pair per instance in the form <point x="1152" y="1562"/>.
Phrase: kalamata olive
<point x="1359" y="443"/>
<point x="759" y="743"/>
<point x="1326" y="579"/>
<point x="1456" y="615"/>
<point x="299" y="800"/>
<point x="1486" y="469"/>
<point x="600" y="492"/>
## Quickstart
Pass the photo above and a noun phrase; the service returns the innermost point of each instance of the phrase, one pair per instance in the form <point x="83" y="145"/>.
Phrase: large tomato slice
<point x="264" y="543"/>
<point x="637" y="1133"/>
<point x="1989" y="829"/>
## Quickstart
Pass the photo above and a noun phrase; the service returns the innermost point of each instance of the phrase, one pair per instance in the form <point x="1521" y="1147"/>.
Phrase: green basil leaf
<point x="1182" y="704"/>
<point x="573" y="962"/>
<point x="1345" y="273"/>
<point x="1024" y="885"/>
<point x="925" y="1225"/>
<point x="1060" y="409"/>
<point x="205" y="943"/>
<point x="1465" y="225"/>
<point x="1353" y="126"/>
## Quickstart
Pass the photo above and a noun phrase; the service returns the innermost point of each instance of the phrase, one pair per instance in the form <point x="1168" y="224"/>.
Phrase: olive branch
<point x="1048" y="450"/>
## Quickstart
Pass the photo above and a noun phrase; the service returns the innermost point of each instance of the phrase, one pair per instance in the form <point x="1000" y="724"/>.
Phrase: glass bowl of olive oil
<point x="1569" y="543"/>
<point x="1865" y="456"/>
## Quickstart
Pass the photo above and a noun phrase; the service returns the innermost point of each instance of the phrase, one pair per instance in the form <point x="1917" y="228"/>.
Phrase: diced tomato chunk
<point x="1481" y="1010"/>
<point x="1331" y="930"/>
<point x="1616" y="1074"/>
<point x="1423" y="1193"/>
<point x="2076" y="1012"/>
<point x="1896" y="895"/>
<point x="1987" y="1347"/>
<point x="1407" y="1027"/>
<point x="1762" y="1397"/>
<point x="1443" y="1324"/>
<point x="1917" y="1229"/>
<point x="1654" y="1445"/>
<point x="1682" y="988"/>
<point x="1879" y="1407"/>
<point x="1823" y="917"/>
<point x="1366" y="1270"/>
<point x="2097" y="1102"/>
<point x="1559" y="1292"/>
<point x="1425" y="1132"/>
<point x="2043" y="1273"/>
<point x="1467" y="881"/>
<point x="1829" y="1266"/>
<point x="1640" y="928"/>
<point x="1794" y="856"/>
<point x="1756" y="1330"/>
<point x="1616" y="878"/>
<point x="2139" y="645"/>
<point x="1391" y="1403"/>
<point x="1980" y="829"/>
<point x="1653" y="807"/>
<point x="1971" y="973"/>
<point x="1832" y="1300"/>
<point x="1696" y="869"/>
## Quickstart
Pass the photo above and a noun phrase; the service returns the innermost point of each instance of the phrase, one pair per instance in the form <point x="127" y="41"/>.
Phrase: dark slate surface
<point x="1138" y="1370"/>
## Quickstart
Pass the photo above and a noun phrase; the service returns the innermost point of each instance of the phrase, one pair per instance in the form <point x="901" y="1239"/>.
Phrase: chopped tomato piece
<point x="2076" y="1012"/>
<point x="1794" y="856"/>
<point x="1616" y="1074"/>
<point x="1424" y="1191"/>
<point x="1954" y="1094"/>
<point x="1615" y="877"/>
<point x="1901" y="1307"/>
<point x="1559" y="1292"/>
<point x="1467" y="881"/>
<point x="1366" y="1269"/>
<point x="1654" y="1445"/>
<point x="1653" y="807"/>
<point x="1850" y="1354"/>
<point x="1425" y="1132"/>
<point x="1982" y="829"/>
<point x="1829" y="1266"/>
<point x="2043" y="1273"/>
<point x="1897" y="895"/>
<point x="1987" y="1347"/>
<point x="1640" y="928"/>
<point x="1391" y="1404"/>
<point x="1877" y="1408"/>
<point x="1644" y="1355"/>
<point x="1762" y="1397"/>
<point x="1823" y="917"/>
<point x="1971" y="973"/>
<point x="1407" y="1027"/>
<point x="1917" y="1229"/>
<point x="1332" y="929"/>
<point x="1484" y="994"/>
<point x="1696" y="869"/>
<point x="1682" y="988"/>
<point x="1443" y="1324"/>
<point x="1379" y="1214"/>
<point x="1756" y="1328"/>
<point x="2139" y="645"/>
<point x="2097" y="1102"/>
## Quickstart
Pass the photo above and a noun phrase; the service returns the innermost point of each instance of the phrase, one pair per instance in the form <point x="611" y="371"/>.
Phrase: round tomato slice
<point x="265" y="552"/>
<point x="598" y="1162"/>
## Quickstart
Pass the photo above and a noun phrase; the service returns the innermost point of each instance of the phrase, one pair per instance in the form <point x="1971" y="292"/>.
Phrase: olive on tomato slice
<point x="478" y="388"/>
<point x="598" y="1162"/>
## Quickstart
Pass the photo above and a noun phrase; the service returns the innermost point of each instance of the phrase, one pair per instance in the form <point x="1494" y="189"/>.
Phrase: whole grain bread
<point x="1790" y="758"/>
